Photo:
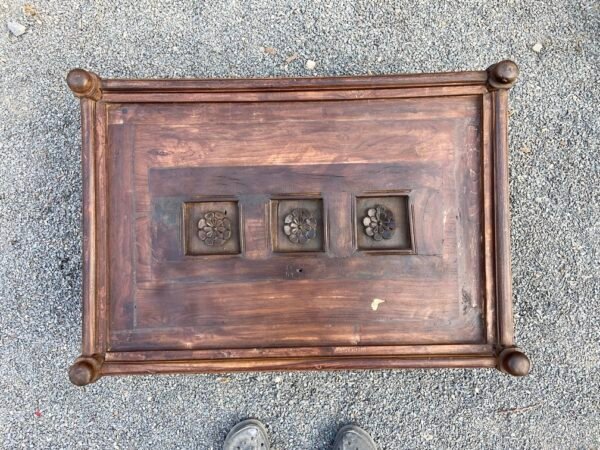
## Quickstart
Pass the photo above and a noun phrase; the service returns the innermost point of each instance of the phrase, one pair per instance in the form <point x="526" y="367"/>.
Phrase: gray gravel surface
<point x="554" y="175"/>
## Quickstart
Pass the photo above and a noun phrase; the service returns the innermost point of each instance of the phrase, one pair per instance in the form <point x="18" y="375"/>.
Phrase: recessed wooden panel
<point x="297" y="225"/>
<point x="263" y="224"/>
<point x="211" y="228"/>
<point x="383" y="223"/>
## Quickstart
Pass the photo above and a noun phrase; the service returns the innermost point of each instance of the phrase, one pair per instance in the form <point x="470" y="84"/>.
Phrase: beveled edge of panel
<point x="501" y="75"/>
<point x="293" y="84"/>
<point x="290" y="364"/>
<point x="304" y="358"/>
<point x="509" y="360"/>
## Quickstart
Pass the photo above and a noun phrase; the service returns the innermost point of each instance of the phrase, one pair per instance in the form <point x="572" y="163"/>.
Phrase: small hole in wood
<point x="299" y="270"/>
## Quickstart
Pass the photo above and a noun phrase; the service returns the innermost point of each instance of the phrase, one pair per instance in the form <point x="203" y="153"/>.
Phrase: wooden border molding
<point x="296" y="224"/>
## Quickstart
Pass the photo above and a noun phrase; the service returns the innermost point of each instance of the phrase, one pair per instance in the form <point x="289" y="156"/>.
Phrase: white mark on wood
<point x="375" y="303"/>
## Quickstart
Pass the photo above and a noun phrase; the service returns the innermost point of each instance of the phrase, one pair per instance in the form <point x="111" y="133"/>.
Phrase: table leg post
<point x="86" y="370"/>
<point x="513" y="361"/>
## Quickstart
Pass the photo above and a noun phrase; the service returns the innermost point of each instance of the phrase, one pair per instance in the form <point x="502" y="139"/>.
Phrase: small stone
<point x="291" y="58"/>
<point x="537" y="47"/>
<point x="427" y="436"/>
<point x="16" y="28"/>
<point x="310" y="64"/>
<point x="525" y="149"/>
<point x="29" y="10"/>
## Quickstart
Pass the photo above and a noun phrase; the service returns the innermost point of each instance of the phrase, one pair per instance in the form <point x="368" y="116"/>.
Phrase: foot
<point x="247" y="435"/>
<point x="352" y="437"/>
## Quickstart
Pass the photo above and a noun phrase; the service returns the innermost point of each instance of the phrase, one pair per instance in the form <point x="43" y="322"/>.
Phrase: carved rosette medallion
<point x="300" y="226"/>
<point x="214" y="229"/>
<point x="379" y="223"/>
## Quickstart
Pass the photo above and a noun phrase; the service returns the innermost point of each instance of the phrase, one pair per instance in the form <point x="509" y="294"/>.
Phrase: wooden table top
<point x="307" y="223"/>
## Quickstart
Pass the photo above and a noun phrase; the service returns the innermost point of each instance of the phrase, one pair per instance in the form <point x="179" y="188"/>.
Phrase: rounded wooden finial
<point x="85" y="370"/>
<point x="79" y="80"/>
<point x="84" y="84"/>
<point x="81" y="373"/>
<point x="503" y="75"/>
<point x="514" y="362"/>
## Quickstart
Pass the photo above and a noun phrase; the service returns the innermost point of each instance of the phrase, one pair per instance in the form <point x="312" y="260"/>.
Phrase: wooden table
<point x="305" y="223"/>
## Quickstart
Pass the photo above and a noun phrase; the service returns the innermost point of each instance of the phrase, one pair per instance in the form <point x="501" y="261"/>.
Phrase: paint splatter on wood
<point x="375" y="303"/>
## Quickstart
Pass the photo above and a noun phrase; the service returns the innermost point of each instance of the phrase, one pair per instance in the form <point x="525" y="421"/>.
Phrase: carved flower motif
<point x="214" y="229"/>
<point x="379" y="223"/>
<point x="300" y="226"/>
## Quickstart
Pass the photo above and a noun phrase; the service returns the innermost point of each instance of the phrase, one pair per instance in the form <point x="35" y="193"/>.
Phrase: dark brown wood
<point x="514" y="362"/>
<point x="86" y="370"/>
<point x="84" y="84"/>
<point x="209" y="228"/>
<point x="297" y="224"/>
<point x="383" y="222"/>
<point x="283" y="224"/>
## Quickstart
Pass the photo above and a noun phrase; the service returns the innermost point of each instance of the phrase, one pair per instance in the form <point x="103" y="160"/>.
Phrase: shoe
<point x="247" y="435"/>
<point x="352" y="437"/>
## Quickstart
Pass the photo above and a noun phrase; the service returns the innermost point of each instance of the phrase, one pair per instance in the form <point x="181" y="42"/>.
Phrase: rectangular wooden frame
<point x="98" y="95"/>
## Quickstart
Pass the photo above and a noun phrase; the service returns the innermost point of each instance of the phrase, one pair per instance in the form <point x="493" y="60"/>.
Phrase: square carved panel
<point x="383" y="223"/>
<point x="297" y="225"/>
<point x="357" y="222"/>
<point x="211" y="228"/>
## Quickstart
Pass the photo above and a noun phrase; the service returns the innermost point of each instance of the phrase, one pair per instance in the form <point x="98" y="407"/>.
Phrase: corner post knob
<point x="503" y="75"/>
<point x="85" y="370"/>
<point x="84" y="84"/>
<point x="514" y="362"/>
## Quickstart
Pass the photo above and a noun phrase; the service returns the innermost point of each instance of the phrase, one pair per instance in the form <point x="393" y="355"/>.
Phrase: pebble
<point x="310" y="64"/>
<point x="291" y="58"/>
<point x="16" y="28"/>
<point x="537" y="47"/>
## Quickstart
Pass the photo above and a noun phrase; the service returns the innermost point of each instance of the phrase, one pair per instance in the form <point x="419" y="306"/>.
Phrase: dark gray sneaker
<point x="247" y="435"/>
<point x="352" y="437"/>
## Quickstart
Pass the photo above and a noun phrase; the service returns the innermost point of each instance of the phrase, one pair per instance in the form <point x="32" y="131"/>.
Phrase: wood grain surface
<point x="432" y="146"/>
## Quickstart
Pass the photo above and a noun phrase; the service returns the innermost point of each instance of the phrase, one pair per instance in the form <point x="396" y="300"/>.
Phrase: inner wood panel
<point x="238" y="303"/>
<point x="300" y="132"/>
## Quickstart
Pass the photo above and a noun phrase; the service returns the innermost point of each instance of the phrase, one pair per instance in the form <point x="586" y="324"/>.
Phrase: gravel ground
<point x="554" y="175"/>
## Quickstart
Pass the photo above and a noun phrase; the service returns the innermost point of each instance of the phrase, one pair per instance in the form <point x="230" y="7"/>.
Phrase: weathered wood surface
<point x="434" y="146"/>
